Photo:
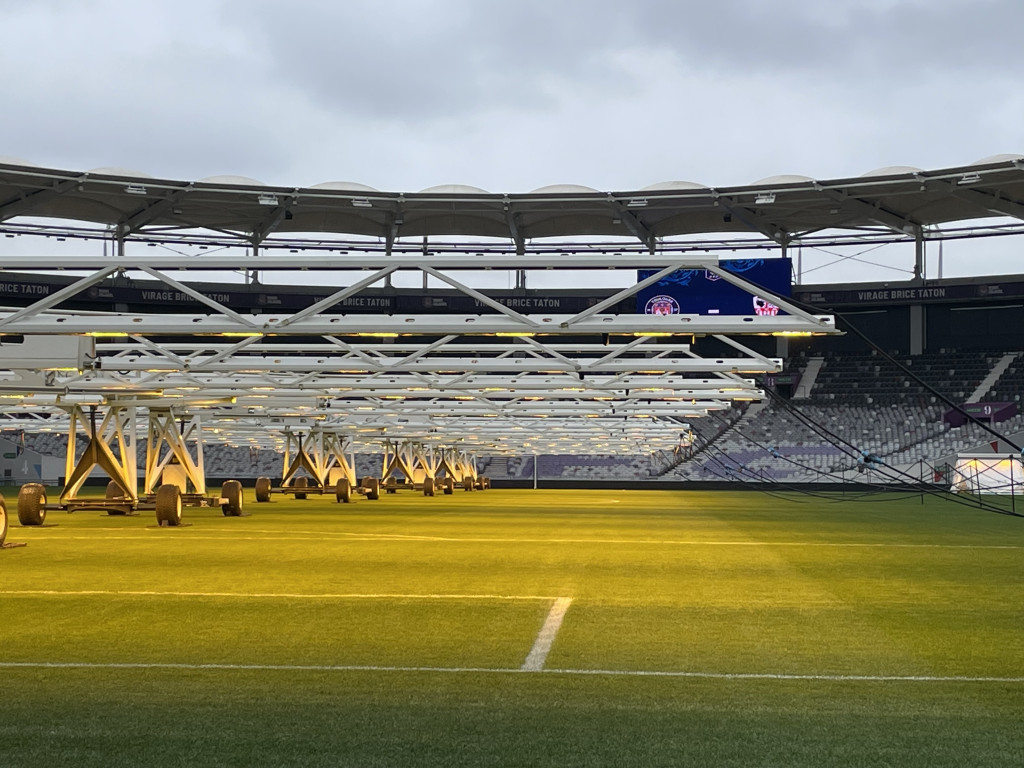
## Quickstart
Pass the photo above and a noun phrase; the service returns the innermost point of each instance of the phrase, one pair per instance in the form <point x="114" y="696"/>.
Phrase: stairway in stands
<point x="497" y="467"/>
<point x="808" y="377"/>
<point x="993" y="376"/>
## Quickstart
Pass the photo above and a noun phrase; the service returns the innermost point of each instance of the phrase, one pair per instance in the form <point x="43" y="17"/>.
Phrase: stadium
<point x="473" y="478"/>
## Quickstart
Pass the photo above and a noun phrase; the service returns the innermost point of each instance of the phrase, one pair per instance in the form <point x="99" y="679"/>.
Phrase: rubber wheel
<point x="428" y="486"/>
<point x="232" y="491"/>
<point x="468" y="483"/>
<point x="262" y="489"/>
<point x="343" y="490"/>
<point x="115" y="491"/>
<point x="372" y="485"/>
<point x="301" y="482"/>
<point x="32" y="504"/>
<point x="168" y="505"/>
<point x="478" y="485"/>
<point x="3" y="520"/>
<point x="449" y="486"/>
<point x="390" y="485"/>
<point x="486" y="483"/>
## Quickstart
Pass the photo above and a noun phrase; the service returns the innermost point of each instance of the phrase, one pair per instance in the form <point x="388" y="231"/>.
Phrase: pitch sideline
<point x="264" y="595"/>
<point x="509" y="670"/>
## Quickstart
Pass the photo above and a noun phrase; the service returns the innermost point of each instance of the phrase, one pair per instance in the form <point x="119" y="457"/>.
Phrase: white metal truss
<point x="322" y="381"/>
<point x="320" y="454"/>
<point x="410" y="458"/>
<point x="482" y="362"/>
<point x="109" y="446"/>
<point x="459" y="464"/>
<point x="335" y="382"/>
<point x="255" y="326"/>
<point x="174" y="450"/>
<point x="174" y="446"/>
<point x="317" y="319"/>
<point x="452" y="441"/>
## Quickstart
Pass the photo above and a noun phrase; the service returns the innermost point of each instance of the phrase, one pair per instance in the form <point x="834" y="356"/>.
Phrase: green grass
<point x="392" y="632"/>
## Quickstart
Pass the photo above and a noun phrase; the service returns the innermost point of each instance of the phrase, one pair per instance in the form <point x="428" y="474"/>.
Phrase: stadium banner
<point x="873" y="295"/>
<point x="991" y="412"/>
<point x="702" y="292"/>
<point x="124" y="295"/>
<point x="785" y="379"/>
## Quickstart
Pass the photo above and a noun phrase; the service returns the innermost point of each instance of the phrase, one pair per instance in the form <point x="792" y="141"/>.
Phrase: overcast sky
<point x="510" y="96"/>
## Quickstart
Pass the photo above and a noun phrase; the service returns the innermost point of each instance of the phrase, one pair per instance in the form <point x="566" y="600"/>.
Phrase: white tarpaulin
<point x="988" y="473"/>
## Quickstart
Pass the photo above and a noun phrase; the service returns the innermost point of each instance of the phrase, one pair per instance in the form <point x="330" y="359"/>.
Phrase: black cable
<point x="793" y="488"/>
<point x="815" y="310"/>
<point x="923" y="487"/>
<point x="905" y="369"/>
<point x="945" y="494"/>
<point x="829" y="496"/>
<point x="819" y="429"/>
<point x="810" y="308"/>
<point x="754" y="477"/>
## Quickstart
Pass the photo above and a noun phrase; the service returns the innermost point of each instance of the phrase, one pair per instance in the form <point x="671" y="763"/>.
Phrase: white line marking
<point x="286" y="536"/>
<point x="288" y="595"/>
<point x="501" y="670"/>
<point x="546" y="637"/>
<point x="789" y="676"/>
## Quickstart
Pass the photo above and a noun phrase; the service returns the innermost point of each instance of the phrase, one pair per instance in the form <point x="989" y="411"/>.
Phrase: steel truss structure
<point x="453" y="370"/>
<point x="419" y="388"/>
<point x="174" y="450"/>
<point x="321" y="454"/>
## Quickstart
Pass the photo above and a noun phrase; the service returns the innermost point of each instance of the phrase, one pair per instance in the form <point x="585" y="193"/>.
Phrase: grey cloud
<point x="428" y="60"/>
<point x="509" y="96"/>
<point x="140" y="89"/>
<point x="846" y="40"/>
<point x="414" y="61"/>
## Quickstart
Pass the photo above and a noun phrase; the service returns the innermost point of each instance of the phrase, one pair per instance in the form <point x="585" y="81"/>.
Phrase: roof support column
<point x="784" y="252"/>
<point x="252" y="276"/>
<point x="919" y="253"/>
<point x="918" y="329"/>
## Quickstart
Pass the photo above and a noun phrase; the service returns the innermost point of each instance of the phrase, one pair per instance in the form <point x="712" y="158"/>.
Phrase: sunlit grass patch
<point x="392" y="632"/>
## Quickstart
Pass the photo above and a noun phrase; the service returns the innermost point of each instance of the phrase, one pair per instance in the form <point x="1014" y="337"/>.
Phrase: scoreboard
<point x="700" y="292"/>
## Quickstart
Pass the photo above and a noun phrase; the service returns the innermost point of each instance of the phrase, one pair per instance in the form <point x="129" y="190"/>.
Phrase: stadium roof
<point x="781" y="208"/>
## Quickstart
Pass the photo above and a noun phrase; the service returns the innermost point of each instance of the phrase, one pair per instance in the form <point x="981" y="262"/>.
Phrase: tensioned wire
<point x="842" y="443"/>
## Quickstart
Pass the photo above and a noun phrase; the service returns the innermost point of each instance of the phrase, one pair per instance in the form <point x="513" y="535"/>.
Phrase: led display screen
<point x="700" y="292"/>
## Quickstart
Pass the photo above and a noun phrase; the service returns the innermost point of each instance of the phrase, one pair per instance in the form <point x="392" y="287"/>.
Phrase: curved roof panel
<point x="454" y="189"/>
<point x="8" y="160"/>
<point x="1007" y="157"/>
<point x="899" y="198"/>
<point x="665" y="186"/>
<point x="229" y="179"/>
<point x="123" y="173"/>
<point x="892" y="170"/>
<point x="344" y="186"/>
<point x="562" y="189"/>
<point x="785" y="178"/>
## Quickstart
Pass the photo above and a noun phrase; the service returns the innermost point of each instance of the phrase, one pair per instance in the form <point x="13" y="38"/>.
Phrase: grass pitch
<point x="703" y="628"/>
